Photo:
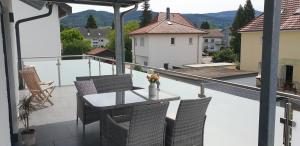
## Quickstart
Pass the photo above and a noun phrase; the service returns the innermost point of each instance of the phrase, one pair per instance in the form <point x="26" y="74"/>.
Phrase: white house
<point x="169" y="41"/>
<point x="98" y="36"/>
<point x="34" y="34"/>
<point x="213" y="40"/>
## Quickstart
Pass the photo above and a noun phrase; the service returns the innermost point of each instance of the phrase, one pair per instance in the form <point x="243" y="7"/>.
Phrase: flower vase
<point x="152" y="90"/>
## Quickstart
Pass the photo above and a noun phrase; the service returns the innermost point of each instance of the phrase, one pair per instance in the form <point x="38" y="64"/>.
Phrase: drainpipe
<point x="17" y="27"/>
<point x="6" y="73"/>
<point x="122" y="33"/>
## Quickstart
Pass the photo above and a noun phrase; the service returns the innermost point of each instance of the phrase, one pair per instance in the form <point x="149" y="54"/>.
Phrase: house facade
<point x="289" y="51"/>
<point x="169" y="41"/>
<point x="213" y="40"/>
<point x="36" y="33"/>
<point x="97" y="36"/>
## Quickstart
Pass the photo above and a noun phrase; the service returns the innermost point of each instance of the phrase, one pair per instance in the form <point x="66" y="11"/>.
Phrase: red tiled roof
<point x="176" y="25"/>
<point x="96" y="51"/>
<point x="213" y="33"/>
<point x="174" y="17"/>
<point x="290" y="20"/>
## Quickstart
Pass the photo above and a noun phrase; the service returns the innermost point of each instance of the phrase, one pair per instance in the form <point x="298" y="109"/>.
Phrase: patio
<point x="232" y="113"/>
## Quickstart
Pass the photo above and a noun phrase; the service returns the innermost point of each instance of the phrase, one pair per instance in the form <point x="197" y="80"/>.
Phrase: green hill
<point x="103" y="18"/>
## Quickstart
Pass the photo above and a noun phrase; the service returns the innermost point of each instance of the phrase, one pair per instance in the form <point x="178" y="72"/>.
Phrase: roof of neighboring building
<point x="176" y="25"/>
<point x="213" y="33"/>
<point x="290" y="18"/>
<point x="90" y="33"/>
<point x="174" y="17"/>
<point x="97" y="51"/>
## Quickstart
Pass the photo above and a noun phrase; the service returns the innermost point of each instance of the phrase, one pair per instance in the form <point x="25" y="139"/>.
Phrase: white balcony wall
<point x="41" y="37"/>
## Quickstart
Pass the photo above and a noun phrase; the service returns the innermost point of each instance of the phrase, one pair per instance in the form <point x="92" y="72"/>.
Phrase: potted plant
<point x="25" y="110"/>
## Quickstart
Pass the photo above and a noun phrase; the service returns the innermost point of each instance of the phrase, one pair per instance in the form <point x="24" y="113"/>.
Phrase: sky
<point x="183" y="6"/>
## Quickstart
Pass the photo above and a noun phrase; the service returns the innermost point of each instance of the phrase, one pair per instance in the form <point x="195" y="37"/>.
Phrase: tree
<point x="205" y="25"/>
<point x="129" y="27"/>
<point x="238" y="22"/>
<point x="225" y="55"/>
<point x="74" y="43"/>
<point x="249" y="12"/>
<point x="113" y="25"/>
<point x="91" y="22"/>
<point x="146" y="16"/>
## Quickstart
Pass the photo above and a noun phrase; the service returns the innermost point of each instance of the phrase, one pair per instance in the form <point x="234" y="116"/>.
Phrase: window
<point x="135" y="41"/>
<point x="212" y="47"/>
<point x="190" y="41"/>
<point x="142" y="42"/>
<point x="172" y="41"/>
<point x="101" y="40"/>
<point x="206" y="40"/>
<point x="212" y="40"/>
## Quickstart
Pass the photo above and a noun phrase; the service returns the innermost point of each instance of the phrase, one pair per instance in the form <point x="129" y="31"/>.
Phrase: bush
<point x="74" y="43"/>
<point x="225" y="55"/>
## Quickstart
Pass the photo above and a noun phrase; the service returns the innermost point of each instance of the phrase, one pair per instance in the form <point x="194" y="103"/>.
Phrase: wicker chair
<point x="146" y="127"/>
<point x="188" y="128"/>
<point x="85" y="113"/>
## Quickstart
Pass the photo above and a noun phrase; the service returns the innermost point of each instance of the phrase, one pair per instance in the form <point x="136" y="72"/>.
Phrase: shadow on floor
<point x="67" y="134"/>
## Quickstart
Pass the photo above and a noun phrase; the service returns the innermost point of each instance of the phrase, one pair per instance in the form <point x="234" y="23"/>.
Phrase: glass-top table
<point x="113" y="99"/>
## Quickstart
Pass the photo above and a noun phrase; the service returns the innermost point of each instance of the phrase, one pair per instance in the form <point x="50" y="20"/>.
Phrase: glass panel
<point x="46" y="69"/>
<point x="70" y="69"/>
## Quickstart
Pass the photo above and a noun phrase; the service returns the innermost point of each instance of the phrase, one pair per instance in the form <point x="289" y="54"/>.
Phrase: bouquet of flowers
<point x="153" y="78"/>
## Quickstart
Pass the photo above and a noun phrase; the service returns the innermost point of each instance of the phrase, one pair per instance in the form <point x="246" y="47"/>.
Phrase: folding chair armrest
<point x="47" y="83"/>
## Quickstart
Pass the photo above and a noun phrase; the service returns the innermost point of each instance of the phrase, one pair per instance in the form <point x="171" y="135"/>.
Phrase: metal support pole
<point x="288" y="124"/>
<point x="131" y="68"/>
<point x="112" y="68"/>
<point x="202" y="91"/>
<point x="99" y="66"/>
<point x="90" y="67"/>
<point x="118" y="40"/>
<point x="269" y="72"/>
<point x="58" y="72"/>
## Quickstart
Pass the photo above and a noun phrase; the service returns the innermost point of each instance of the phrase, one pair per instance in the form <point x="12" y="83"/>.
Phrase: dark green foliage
<point x="238" y="23"/>
<point x="77" y="47"/>
<point x="249" y="12"/>
<point x="205" y="25"/>
<point x="225" y="55"/>
<point x="113" y="25"/>
<point x="74" y="43"/>
<point x="243" y="17"/>
<point x="129" y="27"/>
<point x="25" y="110"/>
<point x="91" y="22"/>
<point x="146" y="16"/>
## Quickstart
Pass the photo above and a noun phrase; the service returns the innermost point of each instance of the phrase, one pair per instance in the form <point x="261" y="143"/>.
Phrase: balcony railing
<point x="234" y="110"/>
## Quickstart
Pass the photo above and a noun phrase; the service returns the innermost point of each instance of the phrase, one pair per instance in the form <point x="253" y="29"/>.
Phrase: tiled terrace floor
<point x="56" y="125"/>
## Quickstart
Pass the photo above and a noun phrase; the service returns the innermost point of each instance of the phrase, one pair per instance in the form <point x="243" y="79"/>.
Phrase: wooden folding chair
<point x="40" y="94"/>
<point x="31" y="67"/>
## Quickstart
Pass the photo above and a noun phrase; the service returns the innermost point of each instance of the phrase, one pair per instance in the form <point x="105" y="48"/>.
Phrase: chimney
<point x="168" y="15"/>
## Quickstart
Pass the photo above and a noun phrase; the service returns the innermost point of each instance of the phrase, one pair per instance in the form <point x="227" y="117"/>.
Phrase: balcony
<point x="232" y="116"/>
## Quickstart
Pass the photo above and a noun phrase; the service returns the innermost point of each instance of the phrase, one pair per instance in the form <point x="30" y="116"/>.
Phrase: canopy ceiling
<point x="123" y="3"/>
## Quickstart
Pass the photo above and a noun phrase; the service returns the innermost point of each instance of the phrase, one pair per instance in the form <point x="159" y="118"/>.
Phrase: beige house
<point x="289" y="49"/>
